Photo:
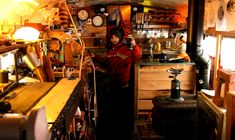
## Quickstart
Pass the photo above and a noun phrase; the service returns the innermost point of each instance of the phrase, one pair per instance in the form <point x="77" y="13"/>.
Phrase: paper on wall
<point x="225" y="21"/>
<point x="211" y="7"/>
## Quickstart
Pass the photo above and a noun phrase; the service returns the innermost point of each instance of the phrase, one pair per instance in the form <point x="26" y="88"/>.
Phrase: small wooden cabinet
<point x="153" y="80"/>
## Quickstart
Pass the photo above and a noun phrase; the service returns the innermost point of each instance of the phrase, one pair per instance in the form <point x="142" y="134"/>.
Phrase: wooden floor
<point x="145" y="132"/>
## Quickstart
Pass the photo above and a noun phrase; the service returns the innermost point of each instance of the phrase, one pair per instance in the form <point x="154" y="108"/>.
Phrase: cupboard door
<point x="154" y="81"/>
<point x="157" y="77"/>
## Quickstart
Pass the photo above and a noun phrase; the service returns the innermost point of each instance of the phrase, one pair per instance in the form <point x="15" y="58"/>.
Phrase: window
<point x="227" y="52"/>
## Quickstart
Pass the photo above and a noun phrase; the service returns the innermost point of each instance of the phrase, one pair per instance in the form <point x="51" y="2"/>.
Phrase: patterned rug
<point x="146" y="132"/>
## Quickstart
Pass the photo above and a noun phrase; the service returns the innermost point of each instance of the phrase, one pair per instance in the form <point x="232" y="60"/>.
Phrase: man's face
<point x="115" y="39"/>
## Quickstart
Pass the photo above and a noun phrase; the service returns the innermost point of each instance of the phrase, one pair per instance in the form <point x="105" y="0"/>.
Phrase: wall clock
<point x="97" y="20"/>
<point x="83" y="14"/>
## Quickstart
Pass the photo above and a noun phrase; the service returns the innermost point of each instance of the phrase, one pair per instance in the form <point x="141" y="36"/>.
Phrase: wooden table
<point x="60" y="100"/>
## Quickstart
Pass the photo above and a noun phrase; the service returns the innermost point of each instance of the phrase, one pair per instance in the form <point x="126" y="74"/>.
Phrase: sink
<point x="163" y="55"/>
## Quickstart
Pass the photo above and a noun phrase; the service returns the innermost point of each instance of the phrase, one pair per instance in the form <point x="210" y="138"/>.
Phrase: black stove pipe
<point x="194" y="43"/>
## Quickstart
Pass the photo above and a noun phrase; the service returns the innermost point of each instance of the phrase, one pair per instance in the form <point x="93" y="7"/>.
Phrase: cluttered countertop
<point x="165" y="57"/>
<point x="164" y="51"/>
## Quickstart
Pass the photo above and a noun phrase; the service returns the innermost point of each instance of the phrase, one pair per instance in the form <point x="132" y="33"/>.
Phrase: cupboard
<point x="152" y="79"/>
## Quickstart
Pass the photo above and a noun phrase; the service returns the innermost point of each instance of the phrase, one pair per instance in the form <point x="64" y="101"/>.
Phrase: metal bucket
<point x="4" y="78"/>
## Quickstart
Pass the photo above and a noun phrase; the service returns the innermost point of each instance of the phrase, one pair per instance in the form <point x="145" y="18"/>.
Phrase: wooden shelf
<point x="212" y="31"/>
<point x="156" y="26"/>
<point x="5" y="49"/>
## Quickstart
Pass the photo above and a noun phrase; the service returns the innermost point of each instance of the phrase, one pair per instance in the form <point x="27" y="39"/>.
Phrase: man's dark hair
<point x="117" y="33"/>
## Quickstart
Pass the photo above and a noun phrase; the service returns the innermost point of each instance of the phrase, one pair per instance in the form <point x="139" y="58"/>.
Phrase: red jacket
<point x="120" y="59"/>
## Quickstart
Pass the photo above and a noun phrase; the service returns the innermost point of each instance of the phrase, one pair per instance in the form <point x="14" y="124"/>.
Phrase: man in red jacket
<point x="115" y="90"/>
<point x="120" y="58"/>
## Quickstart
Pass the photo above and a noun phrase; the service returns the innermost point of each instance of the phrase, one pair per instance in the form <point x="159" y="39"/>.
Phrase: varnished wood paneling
<point x="145" y="105"/>
<point x="161" y="75"/>
<point x="29" y="96"/>
<point x="164" y="85"/>
<point x="56" y="98"/>
<point x="186" y="67"/>
<point x="153" y="80"/>
<point x="150" y="94"/>
<point x="157" y="77"/>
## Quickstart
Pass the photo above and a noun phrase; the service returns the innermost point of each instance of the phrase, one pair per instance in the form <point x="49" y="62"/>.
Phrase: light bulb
<point x="26" y="34"/>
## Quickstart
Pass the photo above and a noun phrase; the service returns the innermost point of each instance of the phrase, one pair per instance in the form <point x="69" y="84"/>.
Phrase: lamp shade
<point x="26" y="34"/>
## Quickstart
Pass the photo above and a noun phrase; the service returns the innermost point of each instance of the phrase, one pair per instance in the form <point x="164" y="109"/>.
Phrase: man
<point x="114" y="91"/>
<point x="120" y="58"/>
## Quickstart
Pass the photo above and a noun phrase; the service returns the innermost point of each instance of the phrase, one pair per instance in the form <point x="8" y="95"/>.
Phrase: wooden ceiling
<point x="166" y="4"/>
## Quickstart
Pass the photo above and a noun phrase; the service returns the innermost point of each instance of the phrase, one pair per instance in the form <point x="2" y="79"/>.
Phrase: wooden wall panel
<point x="153" y="80"/>
<point x="145" y="105"/>
<point x="150" y="94"/>
<point x="164" y="85"/>
<point x="162" y="75"/>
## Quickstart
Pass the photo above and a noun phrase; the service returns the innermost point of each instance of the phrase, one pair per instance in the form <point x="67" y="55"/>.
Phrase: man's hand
<point x="122" y="56"/>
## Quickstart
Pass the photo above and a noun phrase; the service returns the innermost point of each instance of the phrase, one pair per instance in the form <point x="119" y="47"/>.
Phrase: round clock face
<point x="83" y="14"/>
<point x="97" y="20"/>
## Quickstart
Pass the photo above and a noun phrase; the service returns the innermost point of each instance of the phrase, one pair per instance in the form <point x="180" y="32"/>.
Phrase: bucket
<point x="4" y="77"/>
